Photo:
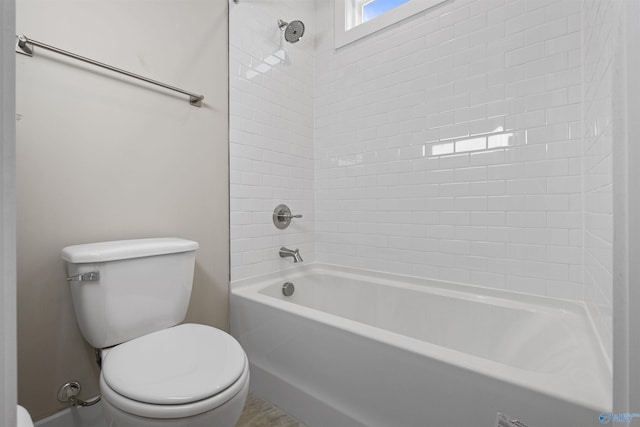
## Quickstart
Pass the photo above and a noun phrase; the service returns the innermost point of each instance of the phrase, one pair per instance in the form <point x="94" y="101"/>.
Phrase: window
<point x="371" y="9"/>
<point x="356" y="19"/>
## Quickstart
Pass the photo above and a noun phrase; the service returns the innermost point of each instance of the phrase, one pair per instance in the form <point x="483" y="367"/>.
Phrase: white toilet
<point x="23" y="418"/>
<point x="128" y="297"/>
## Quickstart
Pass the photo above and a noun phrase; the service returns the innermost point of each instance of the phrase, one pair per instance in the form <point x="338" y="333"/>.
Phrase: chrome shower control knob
<point x="282" y="216"/>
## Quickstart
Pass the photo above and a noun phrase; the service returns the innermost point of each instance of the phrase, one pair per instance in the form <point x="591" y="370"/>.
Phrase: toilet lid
<point x="178" y="365"/>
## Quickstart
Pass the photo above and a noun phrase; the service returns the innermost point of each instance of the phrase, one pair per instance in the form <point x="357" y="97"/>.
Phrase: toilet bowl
<point x="130" y="298"/>
<point x="190" y="374"/>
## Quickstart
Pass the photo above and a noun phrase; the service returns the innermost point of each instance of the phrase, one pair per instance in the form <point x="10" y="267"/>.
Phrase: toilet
<point x="130" y="298"/>
<point x="23" y="419"/>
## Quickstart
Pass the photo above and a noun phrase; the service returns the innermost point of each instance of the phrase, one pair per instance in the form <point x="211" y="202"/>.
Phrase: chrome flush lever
<point x="92" y="276"/>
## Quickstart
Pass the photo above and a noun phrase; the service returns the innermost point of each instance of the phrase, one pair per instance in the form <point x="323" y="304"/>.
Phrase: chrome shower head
<point x="293" y="31"/>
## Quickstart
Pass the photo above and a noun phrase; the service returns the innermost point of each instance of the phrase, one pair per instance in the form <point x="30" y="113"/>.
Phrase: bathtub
<point x="366" y="349"/>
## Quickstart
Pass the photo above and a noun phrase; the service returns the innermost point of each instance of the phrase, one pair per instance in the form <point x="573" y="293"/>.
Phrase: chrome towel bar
<point x="22" y="46"/>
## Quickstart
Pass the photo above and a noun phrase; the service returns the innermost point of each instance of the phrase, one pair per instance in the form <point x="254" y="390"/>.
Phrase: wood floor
<point x="260" y="413"/>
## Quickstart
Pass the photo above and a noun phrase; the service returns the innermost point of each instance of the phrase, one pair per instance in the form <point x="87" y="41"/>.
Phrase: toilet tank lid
<point x="125" y="249"/>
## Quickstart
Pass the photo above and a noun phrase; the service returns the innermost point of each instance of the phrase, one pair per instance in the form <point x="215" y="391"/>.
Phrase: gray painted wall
<point x="102" y="157"/>
<point x="7" y="217"/>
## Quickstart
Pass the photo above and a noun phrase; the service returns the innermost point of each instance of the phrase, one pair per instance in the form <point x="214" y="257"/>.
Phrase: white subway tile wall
<point x="271" y="134"/>
<point x="601" y="23"/>
<point x="453" y="145"/>
<point x="450" y="146"/>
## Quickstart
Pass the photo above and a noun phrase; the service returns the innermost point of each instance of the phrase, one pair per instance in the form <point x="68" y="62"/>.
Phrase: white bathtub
<point x="353" y="348"/>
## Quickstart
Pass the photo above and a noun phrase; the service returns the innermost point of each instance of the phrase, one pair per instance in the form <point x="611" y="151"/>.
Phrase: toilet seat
<point x="174" y="411"/>
<point x="173" y="373"/>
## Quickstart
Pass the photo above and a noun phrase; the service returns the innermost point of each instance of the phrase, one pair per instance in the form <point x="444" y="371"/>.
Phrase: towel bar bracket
<point x="22" y="47"/>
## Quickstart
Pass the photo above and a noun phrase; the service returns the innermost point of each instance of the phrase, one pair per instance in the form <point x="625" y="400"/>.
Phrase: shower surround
<point x="448" y="146"/>
<point x="271" y="141"/>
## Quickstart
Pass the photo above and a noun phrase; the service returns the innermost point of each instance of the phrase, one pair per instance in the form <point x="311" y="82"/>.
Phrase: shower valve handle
<point x="282" y="216"/>
<point x="290" y="216"/>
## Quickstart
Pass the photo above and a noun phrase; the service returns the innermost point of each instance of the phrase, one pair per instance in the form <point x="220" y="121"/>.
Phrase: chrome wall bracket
<point x="196" y="101"/>
<point x="22" y="47"/>
<point x="282" y="216"/>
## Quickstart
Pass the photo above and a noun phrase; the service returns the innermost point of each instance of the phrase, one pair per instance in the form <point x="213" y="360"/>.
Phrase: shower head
<point x="293" y="31"/>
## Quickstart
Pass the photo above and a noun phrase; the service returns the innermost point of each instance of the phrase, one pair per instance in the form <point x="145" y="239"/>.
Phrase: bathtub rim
<point x="249" y="288"/>
<point x="444" y="287"/>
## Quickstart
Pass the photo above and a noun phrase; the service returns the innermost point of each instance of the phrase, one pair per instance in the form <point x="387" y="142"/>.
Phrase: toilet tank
<point x="144" y="286"/>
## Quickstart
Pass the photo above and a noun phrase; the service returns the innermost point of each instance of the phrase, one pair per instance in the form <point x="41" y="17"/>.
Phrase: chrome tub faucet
<point x="295" y="254"/>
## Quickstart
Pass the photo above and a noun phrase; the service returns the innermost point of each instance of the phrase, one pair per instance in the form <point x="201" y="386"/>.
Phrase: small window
<point x="356" y="19"/>
<point x="374" y="8"/>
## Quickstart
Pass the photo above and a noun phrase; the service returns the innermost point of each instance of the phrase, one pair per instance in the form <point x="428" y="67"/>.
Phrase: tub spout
<point x="295" y="254"/>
